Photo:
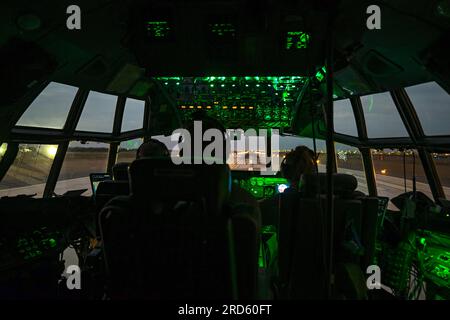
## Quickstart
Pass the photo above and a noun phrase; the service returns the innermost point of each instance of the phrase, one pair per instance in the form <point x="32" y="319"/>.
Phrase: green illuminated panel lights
<point x="158" y="29"/>
<point x="262" y="187"/>
<point x="320" y="75"/>
<point x="223" y="29"/>
<point x="245" y="101"/>
<point x="279" y="83"/>
<point x="297" y="40"/>
<point x="266" y="181"/>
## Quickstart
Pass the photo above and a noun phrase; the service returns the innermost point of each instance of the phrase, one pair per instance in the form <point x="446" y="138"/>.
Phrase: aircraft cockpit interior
<point x="251" y="150"/>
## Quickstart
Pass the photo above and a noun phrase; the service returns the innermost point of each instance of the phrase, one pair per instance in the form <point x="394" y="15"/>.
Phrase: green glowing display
<point x="158" y="29"/>
<point x="52" y="242"/>
<point x="423" y="241"/>
<point x="320" y="75"/>
<point x="297" y="40"/>
<point x="262" y="187"/>
<point x="261" y="258"/>
<point x="223" y="29"/>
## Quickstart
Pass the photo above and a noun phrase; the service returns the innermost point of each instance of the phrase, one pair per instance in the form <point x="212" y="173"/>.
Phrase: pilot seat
<point x="175" y="236"/>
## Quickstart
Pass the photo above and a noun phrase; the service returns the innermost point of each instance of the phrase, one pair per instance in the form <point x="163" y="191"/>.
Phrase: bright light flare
<point x="51" y="151"/>
<point x="3" y="148"/>
<point x="282" y="187"/>
<point x="383" y="171"/>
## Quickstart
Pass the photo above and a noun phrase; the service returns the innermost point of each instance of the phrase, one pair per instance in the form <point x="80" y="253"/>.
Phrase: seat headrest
<point x="344" y="184"/>
<point x="161" y="179"/>
<point x="120" y="171"/>
<point x="113" y="188"/>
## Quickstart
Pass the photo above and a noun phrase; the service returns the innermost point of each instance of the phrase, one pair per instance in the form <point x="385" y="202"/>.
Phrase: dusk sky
<point x="432" y="103"/>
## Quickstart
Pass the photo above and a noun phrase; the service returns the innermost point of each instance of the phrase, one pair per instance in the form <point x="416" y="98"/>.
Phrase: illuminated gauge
<point x="257" y="192"/>
<point x="253" y="181"/>
<point x="260" y="182"/>
<point x="268" y="192"/>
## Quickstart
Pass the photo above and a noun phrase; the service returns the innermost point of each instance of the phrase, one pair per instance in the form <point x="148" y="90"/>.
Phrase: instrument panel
<point x="259" y="186"/>
<point x="239" y="102"/>
<point x="30" y="246"/>
<point x="436" y="260"/>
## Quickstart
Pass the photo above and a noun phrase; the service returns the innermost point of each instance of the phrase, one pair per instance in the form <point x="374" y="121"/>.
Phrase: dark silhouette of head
<point x="299" y="161"/>
<point x="152" y="148"/>
<point x="120" y="171"/>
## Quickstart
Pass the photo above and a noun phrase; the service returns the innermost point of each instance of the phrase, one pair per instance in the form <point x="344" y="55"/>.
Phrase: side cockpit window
<point x="98" y="113"/>
<point x="432" y="106"/>
<point x="80" y="160"/>
<point x="133" y="115"/>
<point x="442" y="163"/>
<point x="344" y="119"/>
<point x="382" y="117"/>
<point x="389" y="173"/>
<point x="29" y="171"/>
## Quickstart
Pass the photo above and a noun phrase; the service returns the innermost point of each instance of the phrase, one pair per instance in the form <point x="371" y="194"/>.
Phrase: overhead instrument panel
<point x="239" y="102"/>
<point x="199" y="38"/>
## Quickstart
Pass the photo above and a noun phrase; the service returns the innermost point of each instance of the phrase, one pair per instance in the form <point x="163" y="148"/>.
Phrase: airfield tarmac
<point x="29" y="173"/>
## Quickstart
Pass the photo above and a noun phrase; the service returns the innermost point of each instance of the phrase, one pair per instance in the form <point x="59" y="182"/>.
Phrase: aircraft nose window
<point x="133" y="115"/>
<point x="98" y="113"/>
<point x="382" y="118"/>
<point x="50" y="108"/>
<point x="344" y="120"/>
